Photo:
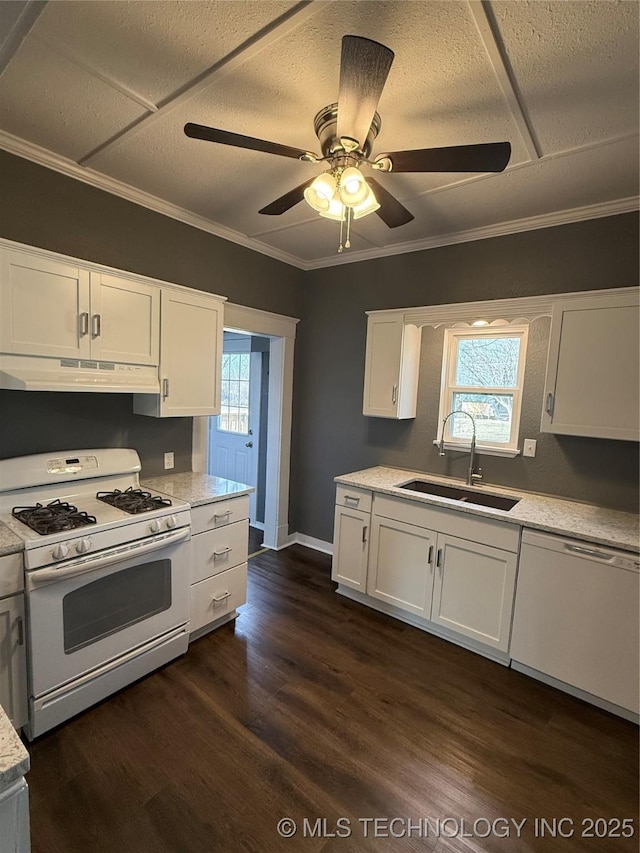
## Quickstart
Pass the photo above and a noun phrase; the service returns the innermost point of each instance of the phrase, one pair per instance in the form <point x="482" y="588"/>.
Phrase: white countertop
<point x="14" y="758"/>
<point x="9" y="542"/>
<point x="197" y="489"/>
<point x="554" y="515"/>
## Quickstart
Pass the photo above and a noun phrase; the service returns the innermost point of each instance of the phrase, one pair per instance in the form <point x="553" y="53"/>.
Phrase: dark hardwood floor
<point x="256" y="537"/>
<point x="312" y="707"/>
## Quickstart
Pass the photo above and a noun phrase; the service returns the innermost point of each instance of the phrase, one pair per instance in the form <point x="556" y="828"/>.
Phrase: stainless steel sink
<point x="456" y="494"/>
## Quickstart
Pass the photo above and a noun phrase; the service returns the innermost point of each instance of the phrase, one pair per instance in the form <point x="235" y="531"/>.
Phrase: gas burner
<point x="52" y="518"/>
<point x="133" y="500"/>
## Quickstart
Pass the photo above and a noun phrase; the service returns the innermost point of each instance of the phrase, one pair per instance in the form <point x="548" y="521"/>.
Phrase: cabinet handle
<point x="165" y="388"/>
<point x="222" y="552"/>
<point x="96" y="322"/>
<point x="20" y="625"/>
<point x="439" y="558"/>
<point x="394" y="394"/>
<point x="351" y="498"/>
<point x="364" y="533"/>
<point x="83" y="323"/>
<point x="549" y="407"/>
<point x="224" y="514"/>
<point x="218" y="598"/>
<point x="430" y="557"/>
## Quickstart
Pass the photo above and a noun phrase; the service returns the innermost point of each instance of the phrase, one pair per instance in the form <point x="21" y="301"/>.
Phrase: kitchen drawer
<point x="450" y="521"/>
<point x="215" y="551"/>
<point x="215" y="597"/>
<point x="219" y="513"/>
<point x="353" y="498"/>
<point x="11" y="574"/>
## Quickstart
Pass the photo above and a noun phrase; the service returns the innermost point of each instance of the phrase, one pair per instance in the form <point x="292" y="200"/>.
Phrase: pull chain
<point x="347" y="243"/>
<point x="340" y="247"/>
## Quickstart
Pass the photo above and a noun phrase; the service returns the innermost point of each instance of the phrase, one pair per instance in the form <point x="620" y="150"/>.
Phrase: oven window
<point x="111" y="604"/>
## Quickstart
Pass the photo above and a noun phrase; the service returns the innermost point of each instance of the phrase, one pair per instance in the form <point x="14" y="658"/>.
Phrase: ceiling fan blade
<point x="390" y="211"/>
<point x="225" y="137"/>
<point x="364" y="67"/>
<point x="484" y="157"/>
<point x="286" y="201"/>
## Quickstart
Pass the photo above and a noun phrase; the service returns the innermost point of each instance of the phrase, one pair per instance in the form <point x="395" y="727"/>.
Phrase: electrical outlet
<point x="169" y="460"/>
<point x="529" y="448"/>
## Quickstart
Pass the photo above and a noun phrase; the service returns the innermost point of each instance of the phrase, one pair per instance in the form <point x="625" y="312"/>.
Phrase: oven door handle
<point x="108" y="559"/>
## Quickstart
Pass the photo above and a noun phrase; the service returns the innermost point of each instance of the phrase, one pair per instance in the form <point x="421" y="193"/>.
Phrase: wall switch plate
<point x="169" y="460"/>
<point x="529" y="448"/>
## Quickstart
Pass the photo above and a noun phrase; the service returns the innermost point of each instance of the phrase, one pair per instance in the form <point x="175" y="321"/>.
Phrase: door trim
<point x="281" y="331"/>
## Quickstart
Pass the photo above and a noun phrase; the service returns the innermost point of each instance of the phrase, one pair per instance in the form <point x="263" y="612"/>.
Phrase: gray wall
<point x="42" y="208"/>
<point x="333" y="437"/>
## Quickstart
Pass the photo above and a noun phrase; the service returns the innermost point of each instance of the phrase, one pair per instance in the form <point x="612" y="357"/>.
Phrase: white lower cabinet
<point x="219" y="550"/>
<point x="401" y="565"/>
<point x="473" y="590"/>
<point x="13" y="662"/>
<point x="450" y="570"/>
<point x="14" y="818"/>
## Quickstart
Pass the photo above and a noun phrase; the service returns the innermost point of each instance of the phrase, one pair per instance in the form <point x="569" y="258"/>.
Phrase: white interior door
<point x="234" y="433"/>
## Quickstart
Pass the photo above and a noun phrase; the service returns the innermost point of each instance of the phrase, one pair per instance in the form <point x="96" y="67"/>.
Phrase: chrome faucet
<point x="472" y="476"/>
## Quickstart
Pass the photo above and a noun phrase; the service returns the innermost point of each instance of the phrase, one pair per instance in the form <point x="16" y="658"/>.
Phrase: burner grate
<point x="52" y="518"/>
<point x="133" y="500"/>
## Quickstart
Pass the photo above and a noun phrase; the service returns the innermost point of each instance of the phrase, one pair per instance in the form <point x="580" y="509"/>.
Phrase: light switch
<point x="529" y="448"/>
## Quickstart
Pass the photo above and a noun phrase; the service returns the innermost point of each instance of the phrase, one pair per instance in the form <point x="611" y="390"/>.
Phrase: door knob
<point x="249" y="444"/>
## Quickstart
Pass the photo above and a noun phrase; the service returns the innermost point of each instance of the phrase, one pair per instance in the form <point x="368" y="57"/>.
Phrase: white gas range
<point x="107" y="572"/>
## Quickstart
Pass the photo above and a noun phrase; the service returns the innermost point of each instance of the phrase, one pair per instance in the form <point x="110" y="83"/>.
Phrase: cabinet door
<point x="593" y="378"/>
<point x="125" y="320"/>
<point x="473" y="590"/>
<point x="391" y="367"/>
<point x="401" y="565"/>
<point x="350" y="547"/>
<point x="44" y="306"/>
<point x="13" y="663"/>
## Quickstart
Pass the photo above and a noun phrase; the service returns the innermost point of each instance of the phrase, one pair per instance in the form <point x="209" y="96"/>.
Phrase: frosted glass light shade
<point x="336" y="210"/>
<point x="368" y="205"/>
<point x="321" y="191"/>
<point x="353" y="187"/>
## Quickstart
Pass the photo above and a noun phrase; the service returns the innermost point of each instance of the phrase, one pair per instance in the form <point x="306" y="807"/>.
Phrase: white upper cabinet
<point x="190" y="356"/>
<point x="391" y="367"/>
<point x="44" y="306"/>
<point x="125" y="320"/>
<point x="62" y="310"/>
<point x="592" y="383"/>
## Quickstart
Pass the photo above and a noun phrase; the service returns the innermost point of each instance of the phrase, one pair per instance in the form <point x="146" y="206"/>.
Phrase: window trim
<point x="448" y="388"/>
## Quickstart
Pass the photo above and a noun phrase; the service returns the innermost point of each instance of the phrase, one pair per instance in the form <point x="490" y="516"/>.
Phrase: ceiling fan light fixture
<point x="321" y="191"/>
<point x="353" y="187"/>
<point x="336" y="211"/>
<point x="369" y="205"/>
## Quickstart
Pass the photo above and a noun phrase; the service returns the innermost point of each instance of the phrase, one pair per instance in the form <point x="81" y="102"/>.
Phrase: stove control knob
<point x="171" y="522"/>
<point x="60" y="551"/>
<point x="83" y="546"/>
<point x="155" y="526"/>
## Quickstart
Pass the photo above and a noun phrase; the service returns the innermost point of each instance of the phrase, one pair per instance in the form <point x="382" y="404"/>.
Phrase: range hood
<point x="36" y="373"/>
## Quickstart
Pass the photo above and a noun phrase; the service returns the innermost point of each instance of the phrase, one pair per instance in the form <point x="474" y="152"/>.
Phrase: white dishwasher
<point x="576" y="617"/>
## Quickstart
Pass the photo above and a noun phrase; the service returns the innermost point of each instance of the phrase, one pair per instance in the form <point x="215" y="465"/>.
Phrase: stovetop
<point x="133" y="501"/>
<point x="53" y="517"/>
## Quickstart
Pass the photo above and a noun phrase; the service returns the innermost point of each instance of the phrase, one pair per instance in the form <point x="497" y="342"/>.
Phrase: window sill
<point x="481" y="449"/>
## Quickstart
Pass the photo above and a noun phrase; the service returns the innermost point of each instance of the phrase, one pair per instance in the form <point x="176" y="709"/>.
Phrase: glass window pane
<point x="224" y="392"/>
<point x="225" y="365"/>
<point x="234" y="366"/>
<point x="244" y="365"/>
<point x="244" y="394"/>
<point x="485" y="361"/>
<point x="491" y="412"/>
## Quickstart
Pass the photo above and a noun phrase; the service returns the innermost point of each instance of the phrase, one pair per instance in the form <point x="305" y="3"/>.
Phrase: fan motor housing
<point x="325" y="125"/>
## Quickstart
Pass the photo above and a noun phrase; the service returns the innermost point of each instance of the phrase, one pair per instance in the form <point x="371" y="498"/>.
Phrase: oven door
<point x="86" y="613"/>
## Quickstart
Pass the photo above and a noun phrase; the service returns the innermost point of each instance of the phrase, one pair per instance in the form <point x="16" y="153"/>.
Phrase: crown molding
<point x="485" y="232"/>
<point x="43" y="157"/>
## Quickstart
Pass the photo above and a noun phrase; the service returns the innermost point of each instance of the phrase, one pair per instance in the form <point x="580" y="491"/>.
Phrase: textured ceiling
<point x="102" y="90"/>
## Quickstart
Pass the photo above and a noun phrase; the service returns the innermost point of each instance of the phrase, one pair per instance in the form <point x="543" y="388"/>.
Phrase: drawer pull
<point x="222" y="552"/>
<point x="218" y="598"/>
<point x="356" y="500"/>
<point x="364" y="533"/>
<point x="430" y="557"/>
<point x="224" y="514"/>
<point x="439" y="558"/>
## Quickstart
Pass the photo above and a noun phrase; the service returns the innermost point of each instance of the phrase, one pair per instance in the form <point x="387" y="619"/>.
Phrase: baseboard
<point x="308" y="542"/>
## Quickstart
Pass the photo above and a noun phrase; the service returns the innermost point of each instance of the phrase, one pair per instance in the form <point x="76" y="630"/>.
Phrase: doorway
<point x="276" y="411"/>
<point x="238" y="436"/>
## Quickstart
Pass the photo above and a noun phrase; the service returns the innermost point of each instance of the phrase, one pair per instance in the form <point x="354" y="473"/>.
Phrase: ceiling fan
<point x="346" y="131"/>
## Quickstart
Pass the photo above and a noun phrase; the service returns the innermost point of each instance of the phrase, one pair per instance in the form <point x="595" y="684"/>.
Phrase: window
<point x="482" y="376"/>
<point x="234" y="408"/>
